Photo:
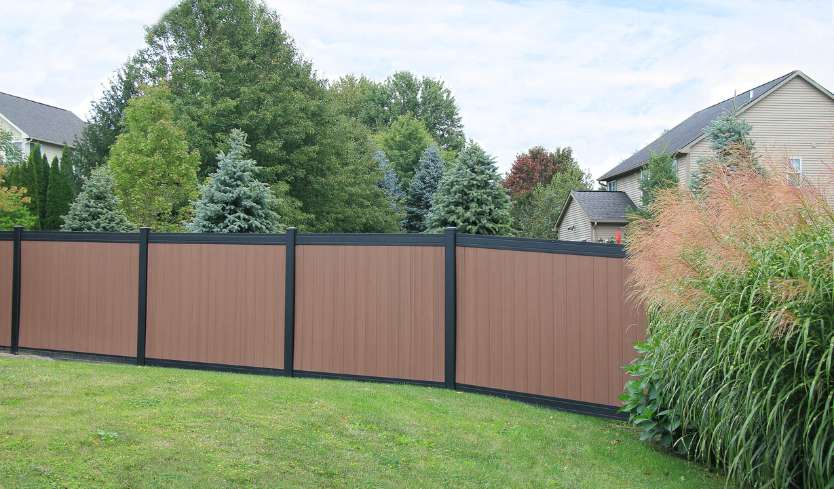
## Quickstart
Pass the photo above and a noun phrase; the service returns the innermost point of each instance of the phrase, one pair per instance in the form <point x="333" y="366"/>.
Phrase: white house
<point x="33" y="123"/>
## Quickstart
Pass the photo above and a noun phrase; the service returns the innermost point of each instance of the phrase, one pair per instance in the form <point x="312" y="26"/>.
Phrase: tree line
<point x="221" y="81"/>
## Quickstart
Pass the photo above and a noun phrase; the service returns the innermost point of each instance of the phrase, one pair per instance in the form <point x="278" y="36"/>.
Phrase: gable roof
<point x="600" y="206"/>
<point x="40" y="121"/>
<point x="693" y="127"/>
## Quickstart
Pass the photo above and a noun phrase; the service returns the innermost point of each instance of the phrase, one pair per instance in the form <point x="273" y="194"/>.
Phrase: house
<point x="792" y="121"/>
<point x="33" y="123"/>
<point x="594" y="215"/>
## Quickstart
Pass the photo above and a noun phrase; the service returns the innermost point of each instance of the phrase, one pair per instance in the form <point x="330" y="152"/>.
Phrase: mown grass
<point x="77" y="424"/>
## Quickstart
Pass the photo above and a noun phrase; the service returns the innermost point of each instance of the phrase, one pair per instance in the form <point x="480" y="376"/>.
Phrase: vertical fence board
<point x="544" y="324"/>
<point x="217" y="304"/>
<point x="6" y="252"/>
<point x="370" y="310"/>
<point x="79" y="297"/>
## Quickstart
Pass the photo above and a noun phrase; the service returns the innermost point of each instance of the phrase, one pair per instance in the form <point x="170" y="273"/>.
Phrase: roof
<point x="692" y="128"/>
<point x="39" y="121"/>
<point x="600" y="205"/>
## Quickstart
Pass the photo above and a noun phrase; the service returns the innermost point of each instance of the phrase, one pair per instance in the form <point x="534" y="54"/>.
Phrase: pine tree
<point x="59" y="196"/>
<point x="470" y="196"/>
<point x="68" y="170"/>
<point x="43" y="188"/>
<point x="389" y="183"/>
<point x="418" y="200"/>
<point x="233" y="200"/>
<point x="96" y="208"/>
<point x="730" y="140"/>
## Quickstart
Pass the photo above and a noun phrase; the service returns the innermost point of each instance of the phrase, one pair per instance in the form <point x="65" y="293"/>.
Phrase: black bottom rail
<point x="580" y="407"/>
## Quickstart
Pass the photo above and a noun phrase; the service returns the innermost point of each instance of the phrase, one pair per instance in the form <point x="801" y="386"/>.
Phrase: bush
<point x="739" y="285"/>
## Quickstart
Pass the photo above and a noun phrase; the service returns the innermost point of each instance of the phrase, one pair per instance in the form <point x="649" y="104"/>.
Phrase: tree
<point x="154" y="170"/>
<point x="729" y="138"/>
<point x="418" y="200"/>
<point x="536" y="212"/>
<point x="233" y="200"/>
<point x="42" y="180"/>
<point x="106" y="118"/>
<point x="389" y="183"/>
<point x="470" y="196"/>
<point x="658" y="174"/>
<point x="404" y="143"/>
<point x="97" y="208"/>
<point x="13" y="205"/>
<point x="33" y="176"/>
<point x="536" y="166"/>
<point x="59" y="196"/>
<point x="10" y="154"/>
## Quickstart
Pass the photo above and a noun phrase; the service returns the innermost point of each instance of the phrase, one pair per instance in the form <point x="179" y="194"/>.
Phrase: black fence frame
<point x="450" y="240"/>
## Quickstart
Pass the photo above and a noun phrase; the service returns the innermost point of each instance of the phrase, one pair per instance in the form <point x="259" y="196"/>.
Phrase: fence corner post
<point x="450" y="305"/>
<point x="16" y="252"/>
<point x="289" y="303"/>
<point x="142" y="316"/>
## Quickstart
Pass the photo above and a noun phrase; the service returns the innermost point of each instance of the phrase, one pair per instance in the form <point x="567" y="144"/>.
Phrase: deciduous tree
<point x="403" y="143"/>
<point x="534" y="167"/>
<point x="536" y="212"/>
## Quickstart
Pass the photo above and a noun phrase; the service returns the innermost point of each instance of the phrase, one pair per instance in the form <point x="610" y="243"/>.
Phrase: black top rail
<point x="540" y="245"/>
<point x="6" y="236"/>
<point x="370" y="239"/>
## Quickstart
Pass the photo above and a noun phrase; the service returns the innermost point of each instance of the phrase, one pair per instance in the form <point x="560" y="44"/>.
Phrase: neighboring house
<point x="594" y="215"/>
<point x="33" y="123"/>
<point x="792" y="120"/>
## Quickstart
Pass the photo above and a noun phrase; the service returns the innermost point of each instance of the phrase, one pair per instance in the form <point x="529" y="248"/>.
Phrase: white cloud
<point x="602" y="77"/>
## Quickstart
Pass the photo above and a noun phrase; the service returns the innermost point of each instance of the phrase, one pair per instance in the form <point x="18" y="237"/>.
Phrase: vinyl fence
<point x="541" y="321"/>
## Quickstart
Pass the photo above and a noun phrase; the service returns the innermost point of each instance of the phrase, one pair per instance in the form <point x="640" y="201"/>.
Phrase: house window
<point x="795" y="170"/>
<point x="612" y="186"/>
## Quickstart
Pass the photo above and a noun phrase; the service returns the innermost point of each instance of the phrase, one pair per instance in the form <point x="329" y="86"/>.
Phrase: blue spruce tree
<point x="418" y="199"/>
<point x="389" y="183"/>
<point x="233" y="200"/>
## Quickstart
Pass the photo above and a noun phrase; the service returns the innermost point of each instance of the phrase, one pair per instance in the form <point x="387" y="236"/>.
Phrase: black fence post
<point x="289" y="303"/>
<point x="450" y="300"/>
<point x="18" y="238"/>
<point x="142" y="316"/>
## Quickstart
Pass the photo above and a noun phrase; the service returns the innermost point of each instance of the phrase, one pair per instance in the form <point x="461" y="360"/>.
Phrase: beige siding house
<point x="792" y="121"/>
<point x="594" y="215"/>
<point x="32" y="123"/>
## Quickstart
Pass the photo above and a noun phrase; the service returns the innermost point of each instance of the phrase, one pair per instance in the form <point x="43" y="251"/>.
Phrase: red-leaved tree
<point x="536" y="166"/>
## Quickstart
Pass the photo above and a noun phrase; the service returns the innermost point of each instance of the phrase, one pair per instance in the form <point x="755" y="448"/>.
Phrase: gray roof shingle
<point x="40" y="121"/>
<point x="604" y="206"/>
<point x="689" y="130"/>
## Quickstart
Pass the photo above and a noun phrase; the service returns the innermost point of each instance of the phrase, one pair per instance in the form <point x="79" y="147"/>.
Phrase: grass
<point x="77" y="424"/>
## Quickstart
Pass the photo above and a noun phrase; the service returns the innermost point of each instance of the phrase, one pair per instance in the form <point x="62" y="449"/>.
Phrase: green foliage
<point x="536" y="212"/>
<point x="96" y="208"/>
<point x="33" y="176"/>
<point x="470" y="196"/>
<point x="13" y="205"/>
<point x="403" y="143"/>
<point x="536" y="167"/>
<point x="729" y="138"/>
<point x="59" y="195"/>
<point x="154" y="170"/>
<point x="9" y="153"/>
<point x="418" y="200"/>
<point x="233" y="200"/>
<point x="658" y="174"/>
<point x="389" y="183"/>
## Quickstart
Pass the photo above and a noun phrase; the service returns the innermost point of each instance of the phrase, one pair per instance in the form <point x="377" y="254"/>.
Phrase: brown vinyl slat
<point x="216" y="303"/>
<point x="370" y="310"/>
<point x="545" y="324"/>
<point x="6" y="257"/>
<point x="79" y="297"/>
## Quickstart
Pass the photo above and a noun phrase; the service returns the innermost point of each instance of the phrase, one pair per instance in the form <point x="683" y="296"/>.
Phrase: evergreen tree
<point x="59" y="196"/>
<point x="233" y="200"/>
<point x="96" y="208"/>
<point x="155" y="173"/>
<point x="43" y="189"/>
<point x="9" y="153"/>
<point x="30" y="175"/>
<point x="389" y="183"/>
<point x="470" y="196"/>
<point x="659" y="173"/>
<point x="68" y="169"/>
<point x="418" y="201"/>
<point x="729" y="138"/>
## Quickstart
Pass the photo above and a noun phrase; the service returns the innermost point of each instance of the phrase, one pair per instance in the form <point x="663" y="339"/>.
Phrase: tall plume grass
<point x="740" y="285"/>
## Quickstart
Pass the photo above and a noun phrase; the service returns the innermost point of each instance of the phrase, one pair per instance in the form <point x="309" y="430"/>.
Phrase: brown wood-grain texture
<point x="370" y="310"/>
<point x="79" y="297"/>
<point x="216" y="303"/>
<point x="544" y="323"/>
<point x="6" y="256"/>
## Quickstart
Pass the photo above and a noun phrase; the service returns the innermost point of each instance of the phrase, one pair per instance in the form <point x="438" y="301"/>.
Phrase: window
<point x="612" y="186"/>
<point x="795" y="170"/>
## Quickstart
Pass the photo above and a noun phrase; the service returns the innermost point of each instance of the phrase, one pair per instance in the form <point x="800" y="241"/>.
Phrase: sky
<point x="603" y="77"/>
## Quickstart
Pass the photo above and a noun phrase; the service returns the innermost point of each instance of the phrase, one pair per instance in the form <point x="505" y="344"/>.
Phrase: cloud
<point x="604" y="77"/>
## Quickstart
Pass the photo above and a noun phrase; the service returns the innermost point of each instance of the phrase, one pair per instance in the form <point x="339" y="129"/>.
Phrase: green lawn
<point x="78" y="424"/>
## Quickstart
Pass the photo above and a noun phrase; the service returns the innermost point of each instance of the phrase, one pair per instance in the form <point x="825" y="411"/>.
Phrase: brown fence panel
<point x="6" y="255"/>
<point x="370" y="310"/>
<point x="79" y="297"/>
<point x="216" y="303"/>
<point x="548" y="324"/>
